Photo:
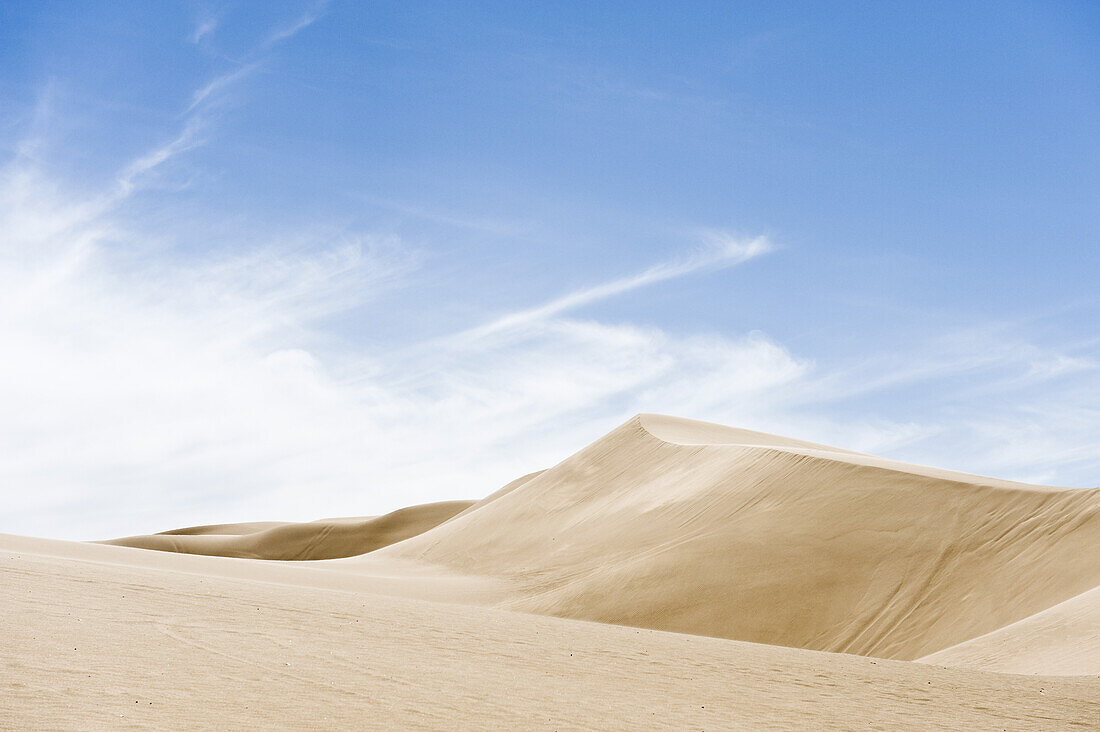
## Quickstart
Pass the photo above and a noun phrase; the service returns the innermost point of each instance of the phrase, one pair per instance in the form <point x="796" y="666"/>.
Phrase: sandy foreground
<point x="736" y="580"/>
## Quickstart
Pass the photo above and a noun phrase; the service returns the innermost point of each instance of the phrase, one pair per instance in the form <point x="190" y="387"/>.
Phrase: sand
<point x="736" y="579"/>
<point x="98" y="642"/>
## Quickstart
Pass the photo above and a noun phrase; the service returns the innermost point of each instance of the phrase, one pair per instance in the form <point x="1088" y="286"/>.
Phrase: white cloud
<point x="132" y="384"/>
<point x="219" y="84"/>
<point x="132" y="174"/>
<point x="207" y="25"/>
<point x="302" y="22"/>
<point x="144" y="388"/>
<point x="216" y="86"/>
<point x="721" y="250"/>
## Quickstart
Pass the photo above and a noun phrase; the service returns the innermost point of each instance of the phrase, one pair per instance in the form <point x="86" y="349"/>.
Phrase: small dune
<point x="1063" y="640"/>
<point x="324" y="539"/>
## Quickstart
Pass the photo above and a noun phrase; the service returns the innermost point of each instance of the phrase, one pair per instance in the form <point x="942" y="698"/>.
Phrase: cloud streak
<point x="219" y="84"/>
<point x="188" y="137"/>
<point x="203" y="28"/>
<point x="132" y="175"/>
<point x="303" y="21"/>
<point x="722" y="250"/>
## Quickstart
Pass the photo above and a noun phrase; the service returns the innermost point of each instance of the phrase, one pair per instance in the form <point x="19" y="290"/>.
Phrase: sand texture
<point x="736" y="580"/>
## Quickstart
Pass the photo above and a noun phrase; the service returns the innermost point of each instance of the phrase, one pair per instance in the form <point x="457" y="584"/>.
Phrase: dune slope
<point x="709" y="530"/>
<point x="325" y="539"/>
<point x="1062" y="640"/>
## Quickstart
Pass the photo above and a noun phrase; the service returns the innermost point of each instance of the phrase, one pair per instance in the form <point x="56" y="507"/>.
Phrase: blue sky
<point x="283" y="260"/>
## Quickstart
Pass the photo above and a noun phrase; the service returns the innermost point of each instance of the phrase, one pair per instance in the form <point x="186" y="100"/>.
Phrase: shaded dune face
<point x="701" y="529"/>
<point x="325" y="539"/>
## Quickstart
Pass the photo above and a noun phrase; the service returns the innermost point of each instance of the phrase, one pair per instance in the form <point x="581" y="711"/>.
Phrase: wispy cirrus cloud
<point x="132" y="174"/>
<point x="306" y="19"/>
<point x="202" y="97"/>
<point x="218" y="84"/>
<point x="203" y="28"/>
<point x="720" y="250"/>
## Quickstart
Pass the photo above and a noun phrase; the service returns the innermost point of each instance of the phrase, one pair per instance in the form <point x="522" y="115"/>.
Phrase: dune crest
<point x="709" y="530"/>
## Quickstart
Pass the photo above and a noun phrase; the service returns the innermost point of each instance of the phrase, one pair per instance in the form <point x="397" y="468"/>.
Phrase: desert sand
<point x="672" y="574"/>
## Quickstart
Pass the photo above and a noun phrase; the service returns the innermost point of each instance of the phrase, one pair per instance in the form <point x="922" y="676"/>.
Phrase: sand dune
<point x="106" y="637"/>
<point x="1063" y="640"/>
<point x="708" y="530"/>
<point x="330" y="538"/>
<point x="761" y="552"/>
<point x="324" y="539"/>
